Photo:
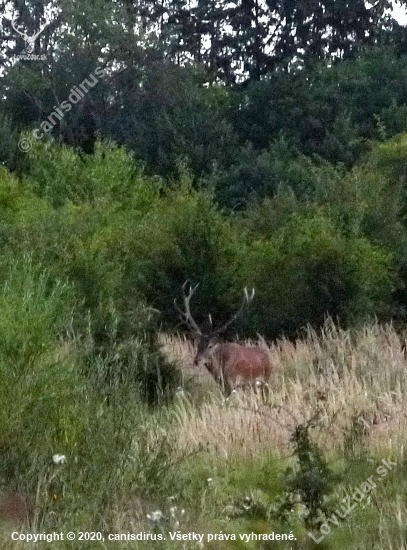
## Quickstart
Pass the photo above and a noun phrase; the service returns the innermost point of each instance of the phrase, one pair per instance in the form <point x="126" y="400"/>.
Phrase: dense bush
<point x="38" y="384"/>
<point x="61" y="175"/>
<point x="18" y="205"/>
<point x="308" y="269"/>
<point x="183" y="238"/>
<point x="10" y="155"/>
<point x="281" y="166"/>
<point x="127" y="240"/>
<point x="174" y="114"/>
<point x="59" y="385"/>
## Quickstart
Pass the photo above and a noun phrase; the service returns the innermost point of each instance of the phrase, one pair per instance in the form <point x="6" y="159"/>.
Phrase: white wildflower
<point x="156" y="516"/>
<point x="59" y="459"/>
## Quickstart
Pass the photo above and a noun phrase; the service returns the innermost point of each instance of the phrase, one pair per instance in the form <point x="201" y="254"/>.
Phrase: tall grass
<point x="238" y="465"/>
<point x="340" y="377"/>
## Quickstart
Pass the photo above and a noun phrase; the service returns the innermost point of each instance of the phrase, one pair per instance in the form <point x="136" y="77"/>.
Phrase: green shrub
<point x="183" y="238"/>
<point x="61" y="175"/>
<point x="10" y="154"/>
<point x="81" y="226"/>
<point x="123" y="354"/>
<point x="51" y="403"/>
<point x="41" y="414"/>
<point x="329" y="109"/>
<point x="390" y="158"/>
<point x="113" y="447"/>
<point x="307" y="269"/>
<point x="263" y="174"/>
<point x="18" y="205"/>
<point x="308" y="483"/>
<point x="39" y="385"/>
<point x="35" y="310"/>
<point x="176" y="114"/>
<point x="368" y="203"/>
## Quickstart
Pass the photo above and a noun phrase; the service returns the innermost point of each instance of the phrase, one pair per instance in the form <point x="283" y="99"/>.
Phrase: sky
<point x="400" y="13"/>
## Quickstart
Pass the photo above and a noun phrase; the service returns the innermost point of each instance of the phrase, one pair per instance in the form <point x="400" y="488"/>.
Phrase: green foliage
<point x="18" y="205"/>
<point x="75" y="396"/>
<point x="390" y="159"/>
<point x="369" y="203"/>
<point x="183" y="238"/>
<point x="129" y="244"/>
<point x="127" y="356"/>
<point x="60" y="175"/>
<point x="89" y="240"/>
<point x="327" y="109"/>
<point x="280" y="167"/>
<point x="307" y="250"/>
<point x="176" y="114"/>
<point x="111" y="448"/>
<point x="41" y="414"/>
<point x="39" y="385"/>
<point x="309" y="483"/>
<point x="309" y="269"/>
<point x="35" y="310"/>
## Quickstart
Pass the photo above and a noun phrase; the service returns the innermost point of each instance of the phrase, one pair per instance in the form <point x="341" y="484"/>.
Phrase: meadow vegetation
<point x="229" y="145"/>
<point x="94" y="365"/>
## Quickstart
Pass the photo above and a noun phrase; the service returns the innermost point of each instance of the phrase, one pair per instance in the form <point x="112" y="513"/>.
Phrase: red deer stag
<point x="231" y="365"/>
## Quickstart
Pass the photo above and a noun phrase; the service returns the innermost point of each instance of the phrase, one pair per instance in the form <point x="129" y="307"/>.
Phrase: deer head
<point x="29" y="40"/>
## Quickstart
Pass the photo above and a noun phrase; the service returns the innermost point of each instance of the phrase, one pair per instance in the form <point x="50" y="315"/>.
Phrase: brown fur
<point x="236" y="366"/>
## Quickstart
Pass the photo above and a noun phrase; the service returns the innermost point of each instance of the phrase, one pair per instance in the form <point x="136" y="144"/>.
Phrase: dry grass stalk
<point x="347" y="380"/>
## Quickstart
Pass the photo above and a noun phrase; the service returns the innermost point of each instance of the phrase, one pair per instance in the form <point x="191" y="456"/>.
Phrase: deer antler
<point x="23" y="34"/>
<point x="246" y="301"/>
<point x="186" y="315"/>
<point x="33" y="38"/>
